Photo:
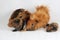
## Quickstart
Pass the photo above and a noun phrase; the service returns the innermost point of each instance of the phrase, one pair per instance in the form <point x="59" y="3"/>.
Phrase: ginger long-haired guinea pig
<point x="39" y="19"/>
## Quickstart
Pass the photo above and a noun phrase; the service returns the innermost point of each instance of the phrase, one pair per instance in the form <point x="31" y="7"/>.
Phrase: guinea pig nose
<point x="16" y="21"/>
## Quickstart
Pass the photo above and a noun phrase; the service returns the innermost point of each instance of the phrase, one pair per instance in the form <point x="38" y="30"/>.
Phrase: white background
<point x="8" y="6"/>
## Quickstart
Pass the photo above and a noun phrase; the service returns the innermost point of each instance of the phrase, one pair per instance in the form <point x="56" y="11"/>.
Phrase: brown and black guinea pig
<point x="19" y="19"/>
<point x="51" y="27"/>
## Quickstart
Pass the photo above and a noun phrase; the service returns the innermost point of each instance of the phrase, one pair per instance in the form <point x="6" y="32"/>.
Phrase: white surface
<point x="8" y="6"/>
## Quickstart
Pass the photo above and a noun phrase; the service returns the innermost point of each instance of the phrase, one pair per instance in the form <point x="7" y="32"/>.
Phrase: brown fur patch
<point x="41" y="16"/>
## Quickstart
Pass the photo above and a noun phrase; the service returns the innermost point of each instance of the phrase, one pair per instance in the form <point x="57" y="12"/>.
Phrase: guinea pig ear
<point x="16" y="12"/>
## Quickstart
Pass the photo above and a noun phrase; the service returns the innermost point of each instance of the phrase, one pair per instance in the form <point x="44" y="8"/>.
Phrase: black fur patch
<point x="16" y="12"/>
<point x="48" y="30"/>
<point x="54" y="28"/>
<point x="47" y="25"/>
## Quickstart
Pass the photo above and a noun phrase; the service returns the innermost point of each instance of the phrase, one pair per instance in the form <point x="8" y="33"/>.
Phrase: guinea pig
<point x="19" y="19"/>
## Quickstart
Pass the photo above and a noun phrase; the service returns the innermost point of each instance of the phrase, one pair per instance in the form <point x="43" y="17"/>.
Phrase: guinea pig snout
<point x="17" y="21"/>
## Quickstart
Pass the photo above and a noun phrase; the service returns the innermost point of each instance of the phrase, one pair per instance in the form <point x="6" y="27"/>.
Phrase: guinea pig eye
<point x="32" y="25"/>
<point x="20" y="17"/>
